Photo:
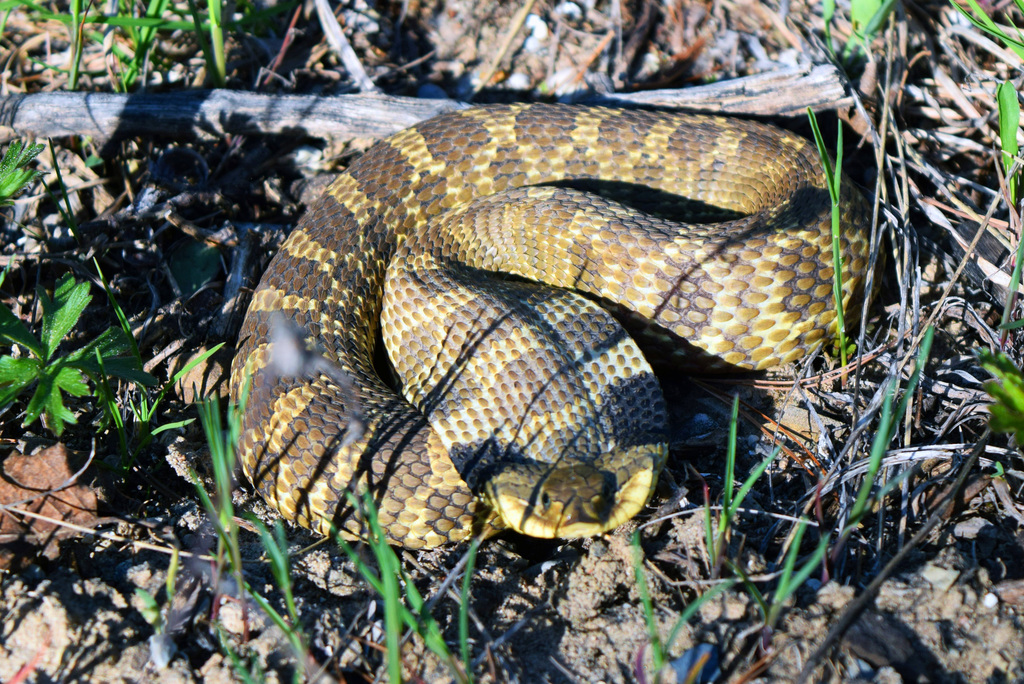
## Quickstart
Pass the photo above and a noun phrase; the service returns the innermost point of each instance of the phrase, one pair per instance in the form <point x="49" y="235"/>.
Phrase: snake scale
<point x="500" y="255"/>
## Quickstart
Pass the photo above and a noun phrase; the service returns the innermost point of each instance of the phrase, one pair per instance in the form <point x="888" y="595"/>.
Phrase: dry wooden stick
<point x="108" y="116"/>
<point x="216" y="112"/>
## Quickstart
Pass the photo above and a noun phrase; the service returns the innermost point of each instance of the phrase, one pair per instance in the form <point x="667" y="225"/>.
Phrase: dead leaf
<point x="40" y="483"/>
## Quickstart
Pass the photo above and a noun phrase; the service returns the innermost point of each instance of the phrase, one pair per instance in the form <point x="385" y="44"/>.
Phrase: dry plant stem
<point x="286" y="42"/>
<point x="517" y="23"/>
<point x="342" y="48"/>
<point x="864" y="601"/>
<point x="879" y="139"/>
<point x="772" y="433"/>
<point x="109" y="536"/>
<point x="241" y="259"/>
<point x="982" y="227"/>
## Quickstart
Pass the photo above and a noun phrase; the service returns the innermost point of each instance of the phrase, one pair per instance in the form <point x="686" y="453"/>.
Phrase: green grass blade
<point x="752" y="479"/>
<point x="657" y="652"/>
<point x="692" y="609"/>
<point x="788" y="582"/>
<point x="833" y="177"/>
<point x="119" y="312"/>
<point x="887" y="427"/>
<point x="467" y="576"/>
<point x="981" y="20"/>
<point x="65" y="210"/>
<point x="730" y="455"/>
<point x="112" y="411"/>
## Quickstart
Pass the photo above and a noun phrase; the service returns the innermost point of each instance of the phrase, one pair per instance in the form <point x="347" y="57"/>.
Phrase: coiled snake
<point x="477" y="241"/>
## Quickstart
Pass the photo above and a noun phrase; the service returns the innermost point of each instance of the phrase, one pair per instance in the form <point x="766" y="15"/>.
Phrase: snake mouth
<point x="569" y="501"/>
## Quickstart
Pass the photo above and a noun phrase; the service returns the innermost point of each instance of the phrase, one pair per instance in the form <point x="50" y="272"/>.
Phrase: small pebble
<point x="569" y="10"/>
<point x="990" y="600"/>
<point x="518" y="81"/>
<point x="538" y="34"/>
<point x="939" y="577"/>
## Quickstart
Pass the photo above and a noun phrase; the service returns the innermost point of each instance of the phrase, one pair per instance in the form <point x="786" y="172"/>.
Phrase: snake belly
<point x="493" y="237"/>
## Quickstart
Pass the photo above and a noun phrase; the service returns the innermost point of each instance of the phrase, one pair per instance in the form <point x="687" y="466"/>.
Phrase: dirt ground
<point x="929" y="587"/>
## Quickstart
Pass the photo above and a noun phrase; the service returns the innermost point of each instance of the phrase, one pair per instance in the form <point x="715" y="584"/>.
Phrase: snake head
<point x="566" y="501"/>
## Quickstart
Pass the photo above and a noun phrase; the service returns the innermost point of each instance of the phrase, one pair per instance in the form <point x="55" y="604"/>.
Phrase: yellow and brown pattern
<point x="477" y="239"/>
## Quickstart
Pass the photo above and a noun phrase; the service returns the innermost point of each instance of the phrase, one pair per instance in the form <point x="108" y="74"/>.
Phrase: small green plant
<point x="14" y="174"/>
<point x="143" y="408"/>
<point x="1007" y="389"/>
<point x="410" y="613"/>
<point x="866" y="17"/>
<point x="212" y="49"/>
<point x="833" y="176"/>
<point x="888" y="424"/>
<point x="790" y="579"/>
<point x="1009" y="125"/>
<point x="221" y="512"/>
<point x="661" y="650"/>
<point x="1008" y="103"/>
<point x="77" y="31"/>
<point x="142" y="37"/>
<point x="161" y="644"/>
<point x="868" y="495"/>
<point x="140" y="25"/>
<point x="54" y="375"/>
<point x="717" y="535"/>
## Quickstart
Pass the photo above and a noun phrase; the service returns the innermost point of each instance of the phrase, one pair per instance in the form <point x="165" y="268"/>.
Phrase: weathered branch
<point x="785" y="92"/>
<point x="186" y="114"/>
<point x="218" y="112"/>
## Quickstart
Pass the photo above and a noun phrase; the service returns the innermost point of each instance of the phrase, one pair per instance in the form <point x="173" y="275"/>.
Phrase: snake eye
<point x="545" y="500"/>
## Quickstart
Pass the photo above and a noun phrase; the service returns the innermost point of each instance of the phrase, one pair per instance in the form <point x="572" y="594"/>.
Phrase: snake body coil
<point x="475" y="247"/>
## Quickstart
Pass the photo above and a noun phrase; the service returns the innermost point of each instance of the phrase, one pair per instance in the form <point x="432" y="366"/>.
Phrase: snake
<point x="484" y="301"/>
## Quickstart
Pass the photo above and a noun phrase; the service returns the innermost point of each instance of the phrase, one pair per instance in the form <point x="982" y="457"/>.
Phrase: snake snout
<point x="570" y="500"/>
<point x="585" y="496"/>
<point x="564" y="501"/>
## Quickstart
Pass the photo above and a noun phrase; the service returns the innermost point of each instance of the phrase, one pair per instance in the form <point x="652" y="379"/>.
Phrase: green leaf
<point x="13" y="174"/>
<point x="150" y="609"/>
<point x="111" y="342"/>
<point x="194" y="264"/>
<point x="172" y="426"/>
<point x="15" y="331"/>
<point x="127" y="368"/>
<point x="861" y="12"/>
<point x="1009" y="124"/>
<point x="113" y="345"/>
<point x="875" y="12"/>
<point x="62" y="312"/>
<point x="15" y="376"/>
<point x="47" y="399"/>
<point x="71" y="381"/>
